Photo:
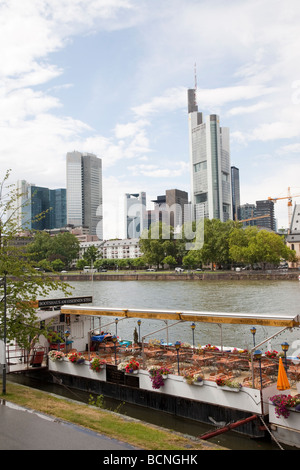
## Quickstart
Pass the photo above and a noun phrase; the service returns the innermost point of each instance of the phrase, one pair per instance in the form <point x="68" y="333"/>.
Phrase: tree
<point x="157" y="243"/>
<point x="21" y="284"/>
<point x="252" y="245"/>
<point x="90" y="255"/>
<point x="64" y="246"/>
<point x="216" y="241"/>
<point x="170" y="261"/>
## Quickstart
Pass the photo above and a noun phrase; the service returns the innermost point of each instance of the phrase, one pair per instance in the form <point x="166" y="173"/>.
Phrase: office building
<point x="40" y="208"/>
<point x="209" y="164"/>
<point x="235" y="188"/>
<point x="84" y="192"/>
<point x="265" y="212"/>
<point x="248" y="214"/>
<point x="172" y="209"/>
<point x="135" y="214"/>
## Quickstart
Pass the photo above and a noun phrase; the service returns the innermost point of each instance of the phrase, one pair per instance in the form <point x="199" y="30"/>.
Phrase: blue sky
<point x="111" y="77"/>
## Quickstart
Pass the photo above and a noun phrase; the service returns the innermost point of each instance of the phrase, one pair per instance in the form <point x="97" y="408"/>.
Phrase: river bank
<point x="183" y="276"/>
<point x="135" y="432"/>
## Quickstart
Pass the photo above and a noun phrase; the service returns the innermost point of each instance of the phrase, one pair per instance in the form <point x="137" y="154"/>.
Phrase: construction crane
<point x="289" y="204"/>
<point x="254" y="218"/>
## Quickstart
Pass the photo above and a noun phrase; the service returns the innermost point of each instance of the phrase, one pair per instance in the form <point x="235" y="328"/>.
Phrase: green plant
<point x="76" y="358"/>
<point x="56" y="355"/>
<point x="135" y="336"/>
<point x="96" y="364"/>
<point x="131" y="366"/>
<point x="282" y="403"/>
<point x="99" y="401"/>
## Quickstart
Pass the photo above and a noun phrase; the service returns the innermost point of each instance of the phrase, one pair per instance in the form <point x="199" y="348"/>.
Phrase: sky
<point x="110" y="77"/>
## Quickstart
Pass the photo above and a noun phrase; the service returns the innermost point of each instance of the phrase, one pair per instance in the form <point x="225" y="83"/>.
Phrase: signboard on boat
<point x="65" y="301"/>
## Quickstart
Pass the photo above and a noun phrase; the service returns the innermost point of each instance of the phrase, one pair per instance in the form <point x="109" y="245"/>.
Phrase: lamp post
<point x="285" y="346"/>
<point x="257" y="355"/>
<point x="177" y="347"/>
<point x="116" y="322"/>
<point x="114" y="340"/>
<point x="4" y="336"/>
<point x="253" y="331"/>
<point x="139" y="325"/>
<point x="67" y="334"/>
<point x="193" y="326"/>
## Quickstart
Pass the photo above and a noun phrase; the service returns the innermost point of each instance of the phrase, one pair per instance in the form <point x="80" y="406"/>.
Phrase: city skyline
<point x="110" y="78"/>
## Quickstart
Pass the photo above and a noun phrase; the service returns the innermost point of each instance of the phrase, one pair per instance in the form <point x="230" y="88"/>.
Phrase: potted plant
<point x="76" y="358"/>
<point x="198" y="379"/>
<point x="283" y="403"/>
<point x="96" y="364"/>
<point x="132" y="367"/>
<point x="188" y="377"/>
<point x="158" y="375"/>
<point x="228" y="385"/>
<point x="122" y="366"/>
<point x="56" y="355"/>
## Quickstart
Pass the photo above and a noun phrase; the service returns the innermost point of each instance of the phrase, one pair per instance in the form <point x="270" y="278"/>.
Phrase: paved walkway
<point x="22" y="429"/>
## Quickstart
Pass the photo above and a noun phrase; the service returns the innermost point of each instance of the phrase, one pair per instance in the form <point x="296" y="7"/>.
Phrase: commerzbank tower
<point x="210" y="168"/>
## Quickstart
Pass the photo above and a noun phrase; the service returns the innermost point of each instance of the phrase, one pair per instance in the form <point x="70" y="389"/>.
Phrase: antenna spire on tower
<point x="195" y="73"/>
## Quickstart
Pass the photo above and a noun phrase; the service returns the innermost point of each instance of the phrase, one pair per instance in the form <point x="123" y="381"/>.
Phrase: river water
<point x="277" y="297"/>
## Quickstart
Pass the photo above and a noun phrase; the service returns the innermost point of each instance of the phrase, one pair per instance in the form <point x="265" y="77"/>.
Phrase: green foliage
<point x="64" y="246"/>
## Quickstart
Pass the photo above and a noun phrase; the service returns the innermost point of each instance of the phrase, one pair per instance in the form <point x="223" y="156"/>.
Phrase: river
<point x="277" y="297"/>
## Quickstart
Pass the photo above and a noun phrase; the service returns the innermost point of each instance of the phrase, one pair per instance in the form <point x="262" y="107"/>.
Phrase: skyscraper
<point x="209" y="164"/>
<point x="135" y="214"/>
<point x="84" y="192"/>
<point x="235" y="186"/>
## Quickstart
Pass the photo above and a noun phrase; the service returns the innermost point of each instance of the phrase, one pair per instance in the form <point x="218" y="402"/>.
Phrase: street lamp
<point x="285" y="346"/>
<point x="139" y="325"/>
<point x="116" y="322"/>
<point x="114" y="340"/>
<point x="253" y="331"/>
<point x="177" y="347"/>
<point x="4" y="336"/>
<point x="193" y="326"/>
<point x="67" y="334"/>
<point x="257" y="355"/>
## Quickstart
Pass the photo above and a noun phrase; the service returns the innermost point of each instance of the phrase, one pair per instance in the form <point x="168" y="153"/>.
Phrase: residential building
<point x="84" y="192"/>
<point x="293" y="237"/>
<point x="210" y="168"/>
<point x="114" y="249"/>
<point x="135" y="214"/>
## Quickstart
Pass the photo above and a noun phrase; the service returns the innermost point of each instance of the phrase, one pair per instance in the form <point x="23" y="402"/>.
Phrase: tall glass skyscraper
<point x="209" y="164"/>
<point x="84" y="192"/>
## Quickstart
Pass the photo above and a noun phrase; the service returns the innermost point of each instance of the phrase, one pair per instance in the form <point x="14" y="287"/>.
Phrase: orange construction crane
<point x="289" y="204"/>
<point x="254" y="218"/>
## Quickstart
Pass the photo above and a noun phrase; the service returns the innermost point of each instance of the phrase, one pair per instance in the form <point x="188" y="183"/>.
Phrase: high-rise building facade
<point x="40" y="208"/>
<point x="209" y="164"/>
<point x="84" y="192"/>
<point x="266" y="208"/>
<point x="135" y="214"/>
<point x="235" y="188"/>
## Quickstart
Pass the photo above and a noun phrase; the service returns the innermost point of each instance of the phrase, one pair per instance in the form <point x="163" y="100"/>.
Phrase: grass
<point x="113" y="425"/>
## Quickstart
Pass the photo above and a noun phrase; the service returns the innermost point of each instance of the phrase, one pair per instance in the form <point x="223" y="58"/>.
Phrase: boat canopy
<point x="265" y="319"/>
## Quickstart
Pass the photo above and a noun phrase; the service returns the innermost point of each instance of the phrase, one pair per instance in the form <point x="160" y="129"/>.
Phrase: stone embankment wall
<point x="161" y="276"/>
